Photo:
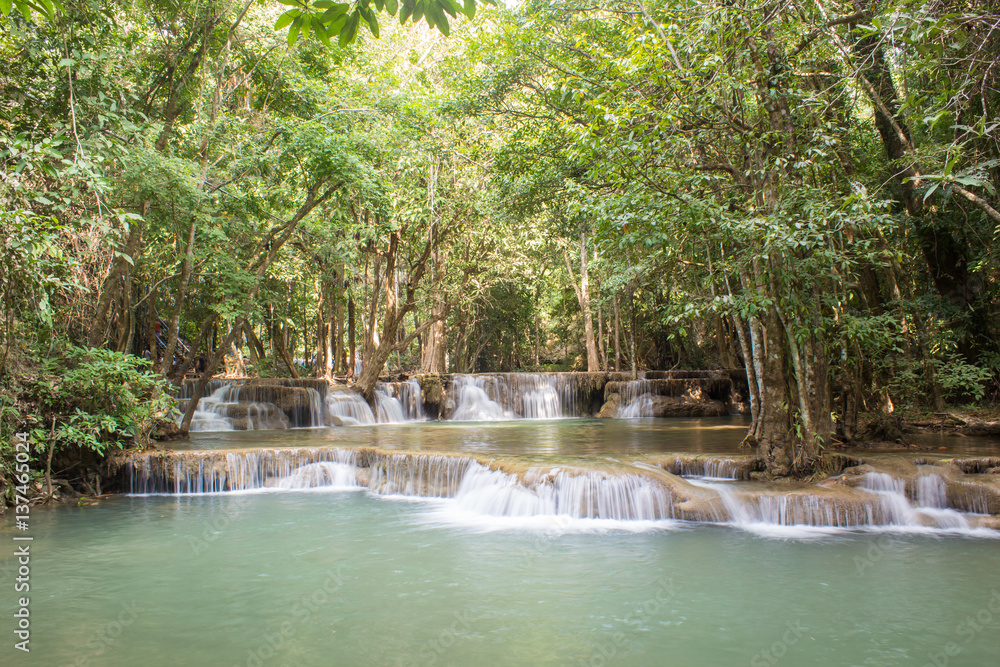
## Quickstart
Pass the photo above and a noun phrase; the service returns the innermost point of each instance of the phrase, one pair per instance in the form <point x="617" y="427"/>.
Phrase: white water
<point x="474" y="404"/>
<point x="503" y="396"/>
<point x="899" y="511"/>
<point x="410" y="397"/>
<point x="247" y="407"/>
<point x="222" y="409"/>
<point x="328" y="474"/>
<point x="636" y="400"/>
<point x="350" y="407"/>
<point x="474" y="495"/>
<point x="389" y="409"/>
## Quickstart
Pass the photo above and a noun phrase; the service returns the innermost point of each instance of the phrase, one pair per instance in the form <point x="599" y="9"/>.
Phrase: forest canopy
<point x="804" y="190"/>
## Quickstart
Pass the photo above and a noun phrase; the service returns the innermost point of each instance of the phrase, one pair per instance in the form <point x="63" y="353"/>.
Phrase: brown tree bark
<point x="583" y="297"/>
<point x="175" y="319"/>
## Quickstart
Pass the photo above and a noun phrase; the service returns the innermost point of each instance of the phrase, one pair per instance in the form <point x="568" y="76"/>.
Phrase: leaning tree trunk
<point x="274" y="241"/>
<point x="583" y="297"/>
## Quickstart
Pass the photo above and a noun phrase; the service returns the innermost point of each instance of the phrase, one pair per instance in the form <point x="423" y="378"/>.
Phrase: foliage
<point x="94" y="400"/>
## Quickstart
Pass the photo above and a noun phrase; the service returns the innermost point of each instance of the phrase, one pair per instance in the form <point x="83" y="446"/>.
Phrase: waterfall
<point x="711" y="467"/>
<point x="258" y="405"/>
<point x="410" y="397"/>
<point x="327" y="474"/>
<point x="349" y="408"/>
<point x="474" y="404"/>
<point x="898" y="509"/>
<point x="216" y="472"/>
<point x="469" y="492"/>
<point x="931" y="491"/>
<point x="589" y="495"/>
<point x="499" y="396"/>
<point x="469" y="486"/>
<point x="812" y="509"/>
<point x="637" y="399"/>
<point x="389" y="409"/>
<point x="420" y="475"/>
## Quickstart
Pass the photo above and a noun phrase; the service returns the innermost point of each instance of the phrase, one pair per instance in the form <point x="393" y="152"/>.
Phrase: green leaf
<point x="470" y="8"/>
<point x="405" y="12"/>
<point x="370" y="19"/>
<point x="440" y="20"/>
<point x="333" y="12"/>
<point x="66" y="62"/>
<point x="350" y="30"/>
<point x="970" y="181"/>
<point x="286" y="18"/>
<point x="321" y="32"/>
<point x="931" y="190"/>
<point x="951" y="164"/>
<point x="391" y="6"/>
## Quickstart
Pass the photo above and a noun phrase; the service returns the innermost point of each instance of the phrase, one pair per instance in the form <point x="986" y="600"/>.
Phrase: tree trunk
<point x="119" y="268"/>
<point x="274" y="241"/>
<point x="433" y="352"/>
<point x="175" y="319"/>
<point x="583" y="297"/>
<point x="350" y="336"/>
<point x="618" y="333"/>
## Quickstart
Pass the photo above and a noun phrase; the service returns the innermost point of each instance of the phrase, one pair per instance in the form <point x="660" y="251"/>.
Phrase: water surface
<point x="343" y="578"/>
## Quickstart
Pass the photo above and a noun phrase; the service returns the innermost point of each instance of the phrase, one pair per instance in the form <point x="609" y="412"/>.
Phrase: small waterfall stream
<point x="637" y="399"/>
<point x="501" y="396"/>
<point x="348" y="408"/>
<point x="409" y="396"/>
<point x="473" y="489"/>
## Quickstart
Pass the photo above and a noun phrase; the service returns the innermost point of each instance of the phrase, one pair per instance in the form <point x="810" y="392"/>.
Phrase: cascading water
<point x="346" y="408"/>
<point x="588" y="495"/>
<point x="470" y="486"/>
<point x="932" y="491"/>
<point x="252" y="406"/>
<point x="637" y="400"/>
<point x="470" y="489"/>
<point x="899" y="511"/>
<point x="474" y="404"/>
<point x="410" y="398"/>
<point x="325" y="474"/>
<point x="349" y="408"/>
<point x="502" y="396"/>
<point x="224" y="410"/>
<point x="389" y="409"/>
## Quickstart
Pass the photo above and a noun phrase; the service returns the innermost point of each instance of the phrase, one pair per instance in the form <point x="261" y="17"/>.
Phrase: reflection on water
<point x="957" y="445"/>
<point x="564" y="437"/>
<point x="341" y="578"/>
